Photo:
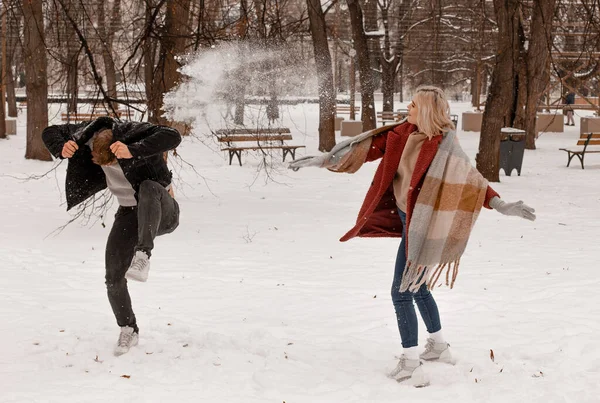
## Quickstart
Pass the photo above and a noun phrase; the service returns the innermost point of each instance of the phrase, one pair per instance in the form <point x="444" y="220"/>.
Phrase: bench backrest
<point x="252" y="132"/>
<point x="395" y="114"/>
<point x="254" y="138"/>
<point x="88" y="116"/>
<point x="346" y="108"/>
<point x="589" y="139"/>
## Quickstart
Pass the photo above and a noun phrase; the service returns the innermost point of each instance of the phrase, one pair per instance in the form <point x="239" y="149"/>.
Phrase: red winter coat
<point x="378" y="216"/>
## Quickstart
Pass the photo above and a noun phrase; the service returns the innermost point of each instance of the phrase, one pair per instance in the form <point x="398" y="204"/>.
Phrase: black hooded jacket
<point x="146" y="142"/>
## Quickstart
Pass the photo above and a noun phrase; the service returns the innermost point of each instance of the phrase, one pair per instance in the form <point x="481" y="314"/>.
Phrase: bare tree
<point x="501" y="100"/>
<point x="106" y="40"/>
<point x="324" y="75"/>
<point x="35" y="62"/>
<point x="392" y="50"/>
<point x="172" y="45"/>
<point x="534" y="74"/>
<point x="12" y="45"/>
<point x="519" y="78"/>
<point x="364" y="65"/>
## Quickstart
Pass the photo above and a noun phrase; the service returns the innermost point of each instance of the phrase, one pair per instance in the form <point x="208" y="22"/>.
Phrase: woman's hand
<point x="518" y="209"/>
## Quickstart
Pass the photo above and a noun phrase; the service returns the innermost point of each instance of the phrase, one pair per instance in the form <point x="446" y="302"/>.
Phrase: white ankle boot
<point x="410" y="372"/>
<point x="437" y="352"/>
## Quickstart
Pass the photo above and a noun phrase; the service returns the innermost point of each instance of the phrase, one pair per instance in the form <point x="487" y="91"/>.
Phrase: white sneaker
<point x="410" y="371"/>
<point x="437" y="352"/>
<point x="139" y="268"/>
<point x="127" y="339"/>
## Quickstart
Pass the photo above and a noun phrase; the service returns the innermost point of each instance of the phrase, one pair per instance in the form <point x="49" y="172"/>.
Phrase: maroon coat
<point x="378" y="216"/>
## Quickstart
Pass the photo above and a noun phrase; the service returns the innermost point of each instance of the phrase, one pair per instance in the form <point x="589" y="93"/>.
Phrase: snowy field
<point x="253" y="299"/>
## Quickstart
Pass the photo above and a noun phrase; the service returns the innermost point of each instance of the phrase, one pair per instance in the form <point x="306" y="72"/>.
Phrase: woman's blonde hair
<point x="433" y="111"/>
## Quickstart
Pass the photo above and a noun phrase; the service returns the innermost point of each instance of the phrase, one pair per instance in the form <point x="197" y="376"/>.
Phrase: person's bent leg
<point x="119" y="252"/>
<point x="158" y="214"/>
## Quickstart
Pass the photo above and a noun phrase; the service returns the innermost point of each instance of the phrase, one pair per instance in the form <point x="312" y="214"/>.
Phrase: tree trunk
<point x="73" y="47"/>
<point x="3" y="68"/>
<point x="10" y="92"/>
<point x="390" y="57"/>
<point x="501" y="100"/>
<point x="11" y="50"/>
<point x="72" y="77"/>
<point x="324" y="75"/>
<point x="34" y="50"/>
<point x="106" y="37"/>
<point x="239" y="88"/>
<point x="153" y="99"/>
<point x="388" y="63"/>
<point x="364" y="65"/>
<point x="172" y="44"/>
<point x="537" y="65"/>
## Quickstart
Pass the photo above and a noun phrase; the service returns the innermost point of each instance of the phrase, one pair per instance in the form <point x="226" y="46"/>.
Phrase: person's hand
<point x="120" y="150"/>
<point x="517" y="209"/>
<point x="69" y="149"/>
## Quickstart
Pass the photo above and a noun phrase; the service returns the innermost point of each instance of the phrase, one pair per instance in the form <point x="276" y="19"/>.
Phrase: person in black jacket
<point x="126" y="157"/>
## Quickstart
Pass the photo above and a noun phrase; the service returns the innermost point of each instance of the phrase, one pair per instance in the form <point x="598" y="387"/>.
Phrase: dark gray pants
<point x="135" y="228"/>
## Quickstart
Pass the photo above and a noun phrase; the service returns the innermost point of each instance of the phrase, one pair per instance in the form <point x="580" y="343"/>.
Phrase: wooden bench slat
<point x="261" y="147"/>
<point x="584" y="136"/>
<point x="591" y="143"/>
<point x="252" y="131"/>
<point x="228" y="139"/>
<point x="81" y="117"/>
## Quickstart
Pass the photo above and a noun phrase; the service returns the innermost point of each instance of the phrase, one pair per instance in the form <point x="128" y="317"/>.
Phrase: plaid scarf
<point x="447" y="207"/>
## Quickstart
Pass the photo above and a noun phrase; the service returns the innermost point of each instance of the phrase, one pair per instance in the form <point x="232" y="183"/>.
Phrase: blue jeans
<point x="403" y="301"/>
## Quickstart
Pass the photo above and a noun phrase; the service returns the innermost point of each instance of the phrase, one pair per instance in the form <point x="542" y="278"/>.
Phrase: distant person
<point x="128" y="159"/>
<point x="569" y="102"/>
<point x="426" y="192"/>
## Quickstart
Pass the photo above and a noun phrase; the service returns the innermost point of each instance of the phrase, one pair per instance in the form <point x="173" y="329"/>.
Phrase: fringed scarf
<point x="446" y="209"/>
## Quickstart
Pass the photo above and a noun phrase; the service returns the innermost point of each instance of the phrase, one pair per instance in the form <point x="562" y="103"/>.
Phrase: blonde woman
<point x="426" y="192"/>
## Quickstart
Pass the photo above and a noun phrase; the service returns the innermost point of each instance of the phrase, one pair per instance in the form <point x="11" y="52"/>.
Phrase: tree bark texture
<point x="390" y="57"/>
<point x="535" y="68"/>
<point x="501" y="100"/>
<point x="106" y="36"/>
<point x="153" y="99"/>
<point x="35" y="62"/>
<point x="73" y="49"/>
<point x="324" y="75"/>
<point x="12" y="26"/>
<point x="364" y="65"/>
<point x="172" y="44"/>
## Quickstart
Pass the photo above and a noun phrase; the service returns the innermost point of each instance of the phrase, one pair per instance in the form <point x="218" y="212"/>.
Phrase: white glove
<point x="518" y="209"/>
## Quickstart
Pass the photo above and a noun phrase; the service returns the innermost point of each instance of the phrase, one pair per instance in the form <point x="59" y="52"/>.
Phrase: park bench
<point x="586" y="140"/>
<point x="389" y="116"/>
<point x="586" y="107"/>
<point x="250" y="139"/>
<point x="345" y="109"/>
<point x="84" y="117"/>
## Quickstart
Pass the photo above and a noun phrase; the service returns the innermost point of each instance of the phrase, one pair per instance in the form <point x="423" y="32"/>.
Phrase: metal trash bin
<point x="512" y="149"/>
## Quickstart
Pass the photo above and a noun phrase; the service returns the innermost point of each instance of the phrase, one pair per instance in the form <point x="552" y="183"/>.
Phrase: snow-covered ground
<point x="253" y="299"/>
